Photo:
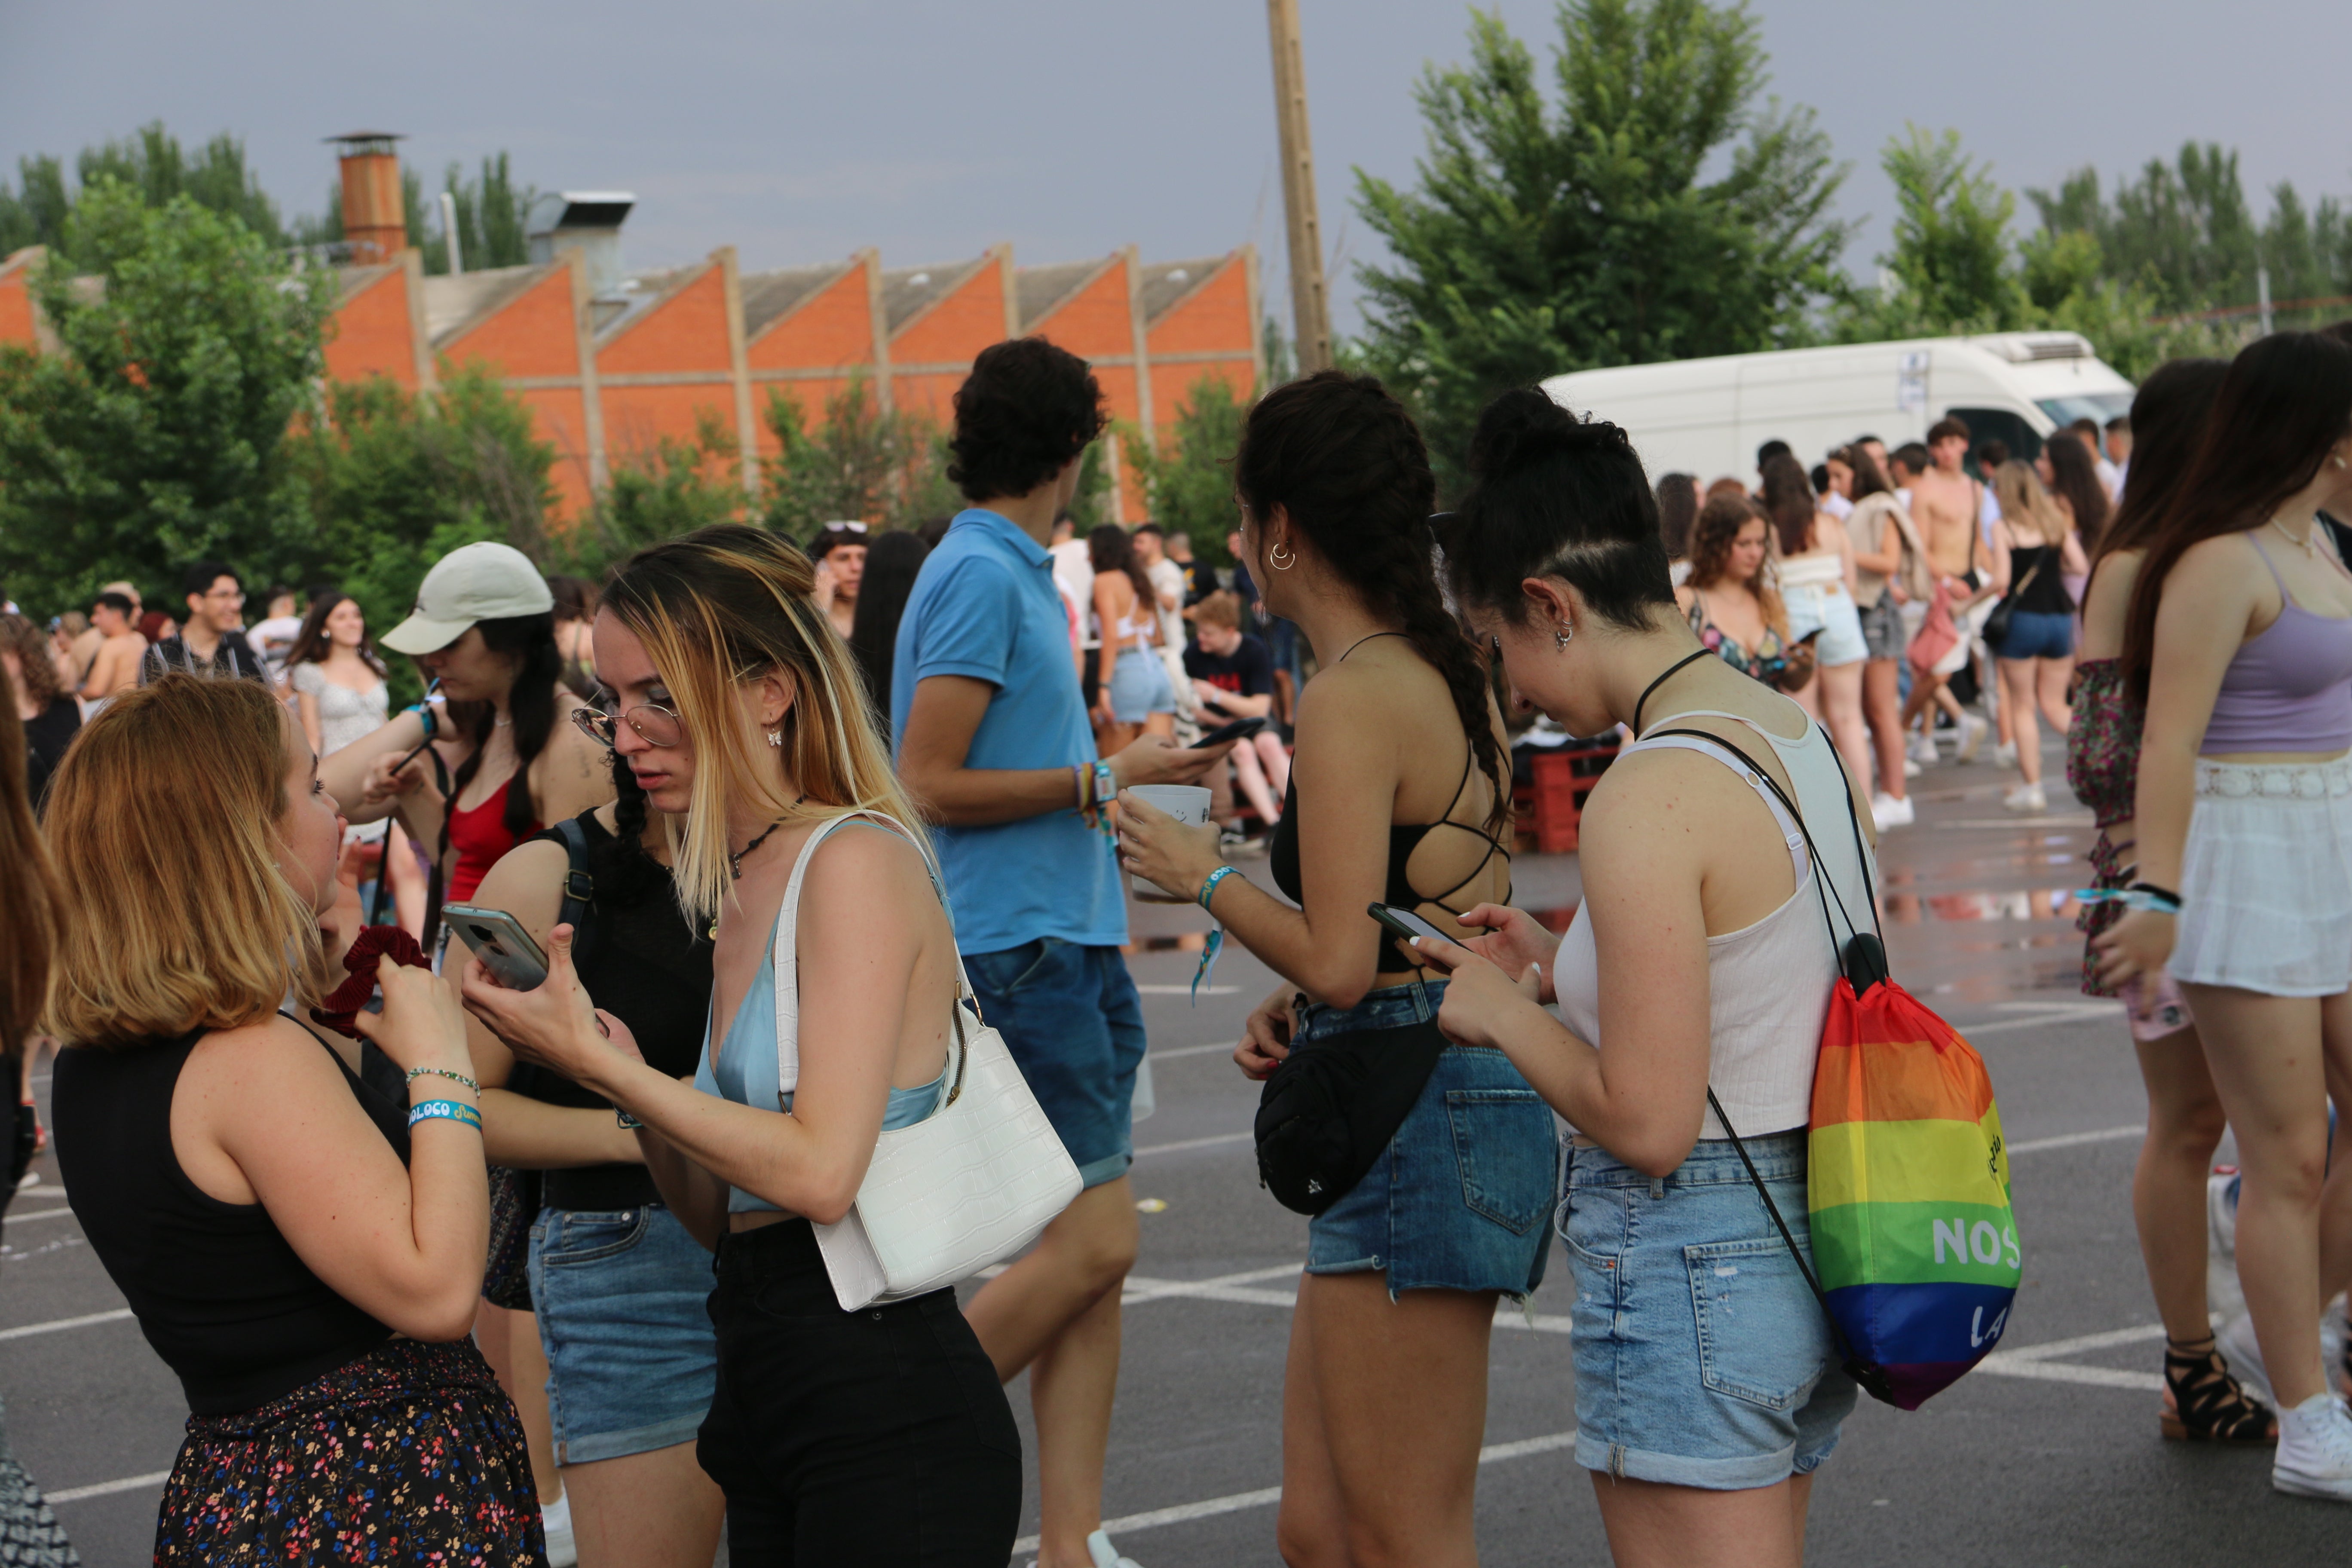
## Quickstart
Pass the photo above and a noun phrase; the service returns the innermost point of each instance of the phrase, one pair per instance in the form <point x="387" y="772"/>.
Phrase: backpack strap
<point x="578" y="909"/>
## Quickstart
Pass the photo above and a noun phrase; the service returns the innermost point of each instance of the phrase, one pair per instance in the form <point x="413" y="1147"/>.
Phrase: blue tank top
<point x="746" y="1071"/>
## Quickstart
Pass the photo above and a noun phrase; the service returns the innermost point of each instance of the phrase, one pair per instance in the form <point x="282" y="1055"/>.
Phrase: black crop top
<point x="1282" y="859"/>
<point x="651" y="969"/>
<point x="217" y="1291"/>
<point x="2046" y="593"/>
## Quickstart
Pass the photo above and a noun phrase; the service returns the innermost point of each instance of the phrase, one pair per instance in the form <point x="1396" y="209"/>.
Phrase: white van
<point x="1705" y="417"/>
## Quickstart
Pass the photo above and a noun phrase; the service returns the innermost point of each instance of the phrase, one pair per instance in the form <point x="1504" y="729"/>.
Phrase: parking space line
<point x="36" y="1213"/>
<point x="1235" y="1503"/>
<point x="1221" y="1045"/>
<point x="2071" y="1140"/>
<point x="55" y="1324"/>
<point x="1195" y="1143"/>
<point x="127" y="1484"/>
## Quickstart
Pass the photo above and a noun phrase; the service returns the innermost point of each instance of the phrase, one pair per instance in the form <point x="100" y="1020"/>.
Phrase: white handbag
<point x="969" y="1184"/>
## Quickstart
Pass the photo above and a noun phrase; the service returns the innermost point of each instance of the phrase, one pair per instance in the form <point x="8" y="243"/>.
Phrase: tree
<point x="1544" y="238"/>
<point x="159" y="435"/>
<point x="396" y="481"/>
<point x="1950" y="269"/>
<point x="672" y="487"/>
<point x="150" y="162"/>
<point x="1190" y="480"/>
<point x="864" y="462"/>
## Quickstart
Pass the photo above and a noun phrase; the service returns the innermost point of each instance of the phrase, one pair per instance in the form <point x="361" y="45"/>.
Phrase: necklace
<point x="2309" y="542"/>
<point x="735" y="857"/>
<point x="1641" y="701"/>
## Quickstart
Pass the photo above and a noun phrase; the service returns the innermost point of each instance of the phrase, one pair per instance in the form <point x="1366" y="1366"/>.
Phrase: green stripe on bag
<point x="1916" y="1243"/>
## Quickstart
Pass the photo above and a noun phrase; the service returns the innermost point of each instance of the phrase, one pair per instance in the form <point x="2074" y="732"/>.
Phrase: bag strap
<point x="785" y="955"/>
<point x="579" y="906"/>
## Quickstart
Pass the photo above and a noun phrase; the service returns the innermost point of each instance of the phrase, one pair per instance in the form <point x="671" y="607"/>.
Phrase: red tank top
<point x="479" y="835"/>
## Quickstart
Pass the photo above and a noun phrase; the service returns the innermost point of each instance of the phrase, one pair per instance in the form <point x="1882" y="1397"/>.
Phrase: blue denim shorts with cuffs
<point x="1070" y="1015"/>
<point x="1459" y="1198"/>
<point x="623" y="1298"/>
<point x="1701" y="1358"/>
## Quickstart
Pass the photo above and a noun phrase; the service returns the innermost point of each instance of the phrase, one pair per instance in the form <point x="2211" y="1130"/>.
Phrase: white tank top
<point x="1767" y="984"/>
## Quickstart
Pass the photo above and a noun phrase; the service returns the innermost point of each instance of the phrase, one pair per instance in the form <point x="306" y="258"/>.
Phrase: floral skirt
<point x="410" y="1455"/>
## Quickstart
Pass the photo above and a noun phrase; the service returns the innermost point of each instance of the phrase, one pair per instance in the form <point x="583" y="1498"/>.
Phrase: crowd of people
<point x="417" y="1065"/>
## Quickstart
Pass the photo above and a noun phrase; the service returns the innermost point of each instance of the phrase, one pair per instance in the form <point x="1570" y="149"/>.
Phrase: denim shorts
<point x="622" y="1300"/>
<point x="1882" y="628"/>
<point x="1701" y="1358"/>
<point x="1812" y="607"/>
<point x="1071" y="1019"/>
<point x="2037" y="634"/>
<point x="1457" y="1200"/>
<point x="1140" y="687"/>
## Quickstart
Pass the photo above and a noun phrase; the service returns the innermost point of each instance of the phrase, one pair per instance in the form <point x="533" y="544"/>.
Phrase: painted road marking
<point x="127" y="1484"/>
<point x="55" y="1324"/>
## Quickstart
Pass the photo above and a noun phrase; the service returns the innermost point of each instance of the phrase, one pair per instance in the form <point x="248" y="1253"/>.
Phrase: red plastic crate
<point x="1562" y="780"/>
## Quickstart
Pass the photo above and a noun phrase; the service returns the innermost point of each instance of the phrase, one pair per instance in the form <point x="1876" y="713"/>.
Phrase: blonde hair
<point x="2025" y="503"/>
<point x="163" y="820"/>
<point x="729" y="604"/>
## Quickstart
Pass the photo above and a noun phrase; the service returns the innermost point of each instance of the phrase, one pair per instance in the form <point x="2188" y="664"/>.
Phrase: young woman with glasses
<point x="877" y="1436"/>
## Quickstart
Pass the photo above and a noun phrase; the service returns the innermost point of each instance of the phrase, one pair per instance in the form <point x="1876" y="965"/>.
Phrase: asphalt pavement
<point x="2049" y="1455"/>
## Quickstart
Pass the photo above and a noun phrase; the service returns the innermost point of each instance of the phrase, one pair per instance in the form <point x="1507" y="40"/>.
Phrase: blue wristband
<point x="444" y="1110"/>
<point x="1209" y="888"/>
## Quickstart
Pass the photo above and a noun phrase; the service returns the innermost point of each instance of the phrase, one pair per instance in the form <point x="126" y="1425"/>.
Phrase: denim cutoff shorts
<point x="1140" y="687"/>
<point x="2037" y="634"/>
<point x="1072" y="1020"/>
<point x="1457" y="1200"/>
<point x="622" y="1300"/>
<point x="1814" y="608"/>
<point x="1701" y="1358"/>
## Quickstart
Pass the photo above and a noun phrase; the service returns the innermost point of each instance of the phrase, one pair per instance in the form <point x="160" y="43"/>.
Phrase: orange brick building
<point x="610" y="364"/>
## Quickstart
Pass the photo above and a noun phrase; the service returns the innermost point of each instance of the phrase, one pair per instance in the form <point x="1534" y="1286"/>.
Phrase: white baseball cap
<point x="482" y="582"/>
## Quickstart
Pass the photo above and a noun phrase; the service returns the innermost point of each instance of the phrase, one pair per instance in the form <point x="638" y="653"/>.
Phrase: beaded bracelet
<point x="415" y="1073"/>
<point x="444" y="1110"/>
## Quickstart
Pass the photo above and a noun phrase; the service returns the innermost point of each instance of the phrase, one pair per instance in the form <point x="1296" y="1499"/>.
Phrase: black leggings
<point x="875" y="1438"/>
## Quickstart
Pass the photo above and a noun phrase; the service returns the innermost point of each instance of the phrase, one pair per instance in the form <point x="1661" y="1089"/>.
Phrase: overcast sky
<point x="801" y="131"/>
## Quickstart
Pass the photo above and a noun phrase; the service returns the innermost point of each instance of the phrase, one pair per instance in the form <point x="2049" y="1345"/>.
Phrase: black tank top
<point x="2046" y="594"/>
<point x="217" y="1291"/>
<point x="651" y="970"/>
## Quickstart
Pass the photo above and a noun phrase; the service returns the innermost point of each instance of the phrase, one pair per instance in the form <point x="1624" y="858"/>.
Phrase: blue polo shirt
<point x="985" y="607"/>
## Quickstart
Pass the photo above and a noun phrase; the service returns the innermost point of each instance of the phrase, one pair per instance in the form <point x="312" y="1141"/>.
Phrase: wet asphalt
<point x="2053" y="1458"/>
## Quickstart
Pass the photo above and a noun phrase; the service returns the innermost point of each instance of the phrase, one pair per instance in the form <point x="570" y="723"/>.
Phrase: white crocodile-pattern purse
<point x="969" y="1184"/>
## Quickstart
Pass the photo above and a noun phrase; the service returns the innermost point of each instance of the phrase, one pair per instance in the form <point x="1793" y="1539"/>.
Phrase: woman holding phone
<point x="881" y="1437"/>
<point x="618" y="1283"/>
<point x="1400" y="793"/>
<point x="304" y="1253"/>
<point x="1708" y="1388"/>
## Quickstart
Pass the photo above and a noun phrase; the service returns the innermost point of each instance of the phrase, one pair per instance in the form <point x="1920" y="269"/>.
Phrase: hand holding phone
<point x="500" y="940"/>
<point x="1239" y="730"/>
<point x="1407" y="925"/>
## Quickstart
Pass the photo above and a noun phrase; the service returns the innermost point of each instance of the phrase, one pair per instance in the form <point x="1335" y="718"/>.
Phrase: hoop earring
<point x="1563" y="635"/>
<point x="1280" y="558"/>
<point x="776" y="736"/>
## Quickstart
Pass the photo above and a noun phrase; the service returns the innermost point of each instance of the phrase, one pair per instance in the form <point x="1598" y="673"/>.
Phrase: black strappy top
<point x="1281" y="857"/>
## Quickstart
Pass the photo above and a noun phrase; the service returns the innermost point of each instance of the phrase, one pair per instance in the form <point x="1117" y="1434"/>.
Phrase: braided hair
<point x="625" y="875"/>
<point x="1344" y="459"/>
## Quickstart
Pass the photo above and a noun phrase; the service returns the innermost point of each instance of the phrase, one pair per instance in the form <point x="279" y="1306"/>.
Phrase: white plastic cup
<point x="1188" y="804"/>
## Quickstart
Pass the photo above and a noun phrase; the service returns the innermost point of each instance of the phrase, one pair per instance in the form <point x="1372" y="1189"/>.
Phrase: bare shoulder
<point x="867" y="867"/>
<point x="862" y="852"/>
<point x="275" y="1056"/>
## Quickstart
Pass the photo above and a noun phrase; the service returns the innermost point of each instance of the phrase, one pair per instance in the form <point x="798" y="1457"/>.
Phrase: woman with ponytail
<point x="1400" y="793"/>
<point x="618" y="1283"/>
<point x="1692" y="988"/>
<point x="879" y="1437"/>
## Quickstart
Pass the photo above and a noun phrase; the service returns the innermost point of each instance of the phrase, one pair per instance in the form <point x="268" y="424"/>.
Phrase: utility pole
<point x="1310" y="313"/>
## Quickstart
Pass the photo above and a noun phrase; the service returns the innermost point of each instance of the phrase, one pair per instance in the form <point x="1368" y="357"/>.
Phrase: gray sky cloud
<point x="800" y="130"/>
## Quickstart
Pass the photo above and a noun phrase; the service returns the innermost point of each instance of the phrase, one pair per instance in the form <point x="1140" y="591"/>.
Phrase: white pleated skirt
<point x="2267" y="879"/>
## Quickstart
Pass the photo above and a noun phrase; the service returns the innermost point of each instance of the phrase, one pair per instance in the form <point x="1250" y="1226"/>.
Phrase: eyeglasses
<point x="658" y="726"/>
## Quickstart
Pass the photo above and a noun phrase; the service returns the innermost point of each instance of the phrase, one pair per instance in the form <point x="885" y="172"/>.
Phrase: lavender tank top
<point x="2289" y="689"/>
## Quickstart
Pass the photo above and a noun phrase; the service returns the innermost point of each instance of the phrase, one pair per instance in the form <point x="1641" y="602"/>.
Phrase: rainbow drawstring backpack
<point x="1916" y="1257"/>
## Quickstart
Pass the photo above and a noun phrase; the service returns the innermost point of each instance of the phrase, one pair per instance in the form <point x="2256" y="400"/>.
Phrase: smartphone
<point x="1239" y="730"/>
<point x="502" y="944"/>
<point x="1407" y="924"/>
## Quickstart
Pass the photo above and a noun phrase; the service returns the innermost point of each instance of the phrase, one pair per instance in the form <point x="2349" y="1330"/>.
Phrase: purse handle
<point x="1853" y="955"/>
<point x="784" y="954"/>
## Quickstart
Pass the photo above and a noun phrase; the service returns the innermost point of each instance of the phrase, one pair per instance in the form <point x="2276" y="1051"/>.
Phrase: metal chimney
<point x="375" y="220"/>
<point x="586" y="221"/>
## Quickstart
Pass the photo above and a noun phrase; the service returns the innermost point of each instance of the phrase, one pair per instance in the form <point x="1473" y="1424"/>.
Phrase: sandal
<point x="2204" y="1403"/>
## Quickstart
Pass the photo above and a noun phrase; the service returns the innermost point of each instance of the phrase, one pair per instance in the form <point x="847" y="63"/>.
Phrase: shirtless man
<point x="119" y="649"/>
<point x="84" y="649"/>
<point x="1945" y="503"/>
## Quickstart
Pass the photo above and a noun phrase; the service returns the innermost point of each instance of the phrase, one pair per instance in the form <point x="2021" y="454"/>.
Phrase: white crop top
<point x="1767" y="984"/>
<point x="1814" y="569"/>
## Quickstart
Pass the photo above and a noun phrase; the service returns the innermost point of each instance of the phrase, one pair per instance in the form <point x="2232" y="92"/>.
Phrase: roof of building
<point x="1040" y="288"/>
<point x="769" y="297"/>
<point x="1165" y="284"/>
<point x="453" y="303"/>
<point x="907" y="292"/>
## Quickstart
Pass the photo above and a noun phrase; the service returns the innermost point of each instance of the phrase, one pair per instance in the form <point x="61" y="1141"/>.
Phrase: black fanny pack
<point x="1332" y="1105"/>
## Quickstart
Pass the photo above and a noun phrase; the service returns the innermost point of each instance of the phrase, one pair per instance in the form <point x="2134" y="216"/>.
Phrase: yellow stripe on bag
<point x="1920" y="1161"/>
